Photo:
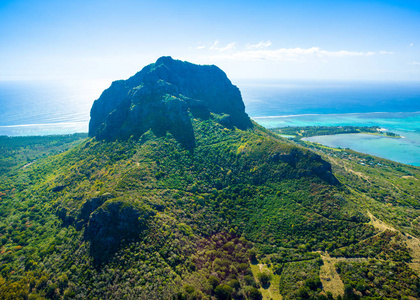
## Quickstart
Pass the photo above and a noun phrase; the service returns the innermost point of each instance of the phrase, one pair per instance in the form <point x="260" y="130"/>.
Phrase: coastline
<point x="395" y="149"/>
<point x="44" y="129"/>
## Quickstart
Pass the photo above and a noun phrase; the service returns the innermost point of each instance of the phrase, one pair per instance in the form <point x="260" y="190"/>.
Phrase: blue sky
<point x="108" y="40"/>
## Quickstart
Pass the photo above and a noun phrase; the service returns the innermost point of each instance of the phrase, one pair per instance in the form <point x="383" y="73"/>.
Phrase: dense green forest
<point x="18" y="152"/>
<point x="245" y="215"/>
<point x="177" y="194"/>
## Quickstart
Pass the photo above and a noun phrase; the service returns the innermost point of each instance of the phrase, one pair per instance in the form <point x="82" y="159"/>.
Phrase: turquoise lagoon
<point x="394" y="106"/>
<point x="405" y="150"/>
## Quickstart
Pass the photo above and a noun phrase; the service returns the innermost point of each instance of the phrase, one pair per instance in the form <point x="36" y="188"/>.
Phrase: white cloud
<point x="416" y="63"/>
<point x="201" y="47"/>
<point x="260" y="45"/>
<point x="412" y="44"/>
<point x="294" y="54"/>
<point x="216" y="47"/>
<point x="385" y="52"/>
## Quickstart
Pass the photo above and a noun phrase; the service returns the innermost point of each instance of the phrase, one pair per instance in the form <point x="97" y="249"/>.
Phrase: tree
<point x="214" y="281"/>
<point x="253" y="293"/>
<point x="223" y="292"/>
<point x="264" y="278"/>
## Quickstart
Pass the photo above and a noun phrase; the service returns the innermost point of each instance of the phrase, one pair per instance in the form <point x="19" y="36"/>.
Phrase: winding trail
<point x="330" y="279"/>
<point x="413" y="243"/>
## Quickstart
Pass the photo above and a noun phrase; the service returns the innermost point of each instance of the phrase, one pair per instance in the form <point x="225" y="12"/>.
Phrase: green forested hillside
<point x="177" y="194"/>
<point x="149" y="218"/>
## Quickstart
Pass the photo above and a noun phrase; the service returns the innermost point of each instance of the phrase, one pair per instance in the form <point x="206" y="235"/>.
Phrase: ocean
<point x="45" y="108"/>
<point x="392" y="106"/>
<point x="41" y="108"/>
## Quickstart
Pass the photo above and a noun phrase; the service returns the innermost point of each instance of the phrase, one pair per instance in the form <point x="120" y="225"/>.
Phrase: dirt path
<point x="412" y="242"/>
<point x="378" y="224"/>
<point x="331" y="281"/>
<point x="272" y="292"/>
<point x="409" y="177"/>
<point x="347" y="169"/>
<point x="27" y="165"/>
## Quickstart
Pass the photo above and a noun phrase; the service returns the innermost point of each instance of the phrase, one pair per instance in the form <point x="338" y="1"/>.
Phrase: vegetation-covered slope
<point x="387" y="264"/>
<point x="240" y="213"/>
<point x="153" y="205"/>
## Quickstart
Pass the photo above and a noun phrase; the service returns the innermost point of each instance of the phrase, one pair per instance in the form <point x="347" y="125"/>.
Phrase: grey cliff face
<point x="164" y="96"/>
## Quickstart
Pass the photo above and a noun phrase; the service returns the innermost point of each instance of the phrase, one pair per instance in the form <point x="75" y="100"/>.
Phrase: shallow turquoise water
<point x="401" y="150"/>
<point x="407" y="121"/>
<point x="405" y="150"/>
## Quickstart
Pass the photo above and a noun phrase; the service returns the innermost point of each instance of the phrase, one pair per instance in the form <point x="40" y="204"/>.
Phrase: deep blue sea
<point x="40" y="108"/>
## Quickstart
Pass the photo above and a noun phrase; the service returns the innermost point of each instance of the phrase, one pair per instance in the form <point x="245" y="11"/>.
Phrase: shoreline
<point x="371" y="140"/>
<point x="354" y="133"/>
<point x="386" y="147"/>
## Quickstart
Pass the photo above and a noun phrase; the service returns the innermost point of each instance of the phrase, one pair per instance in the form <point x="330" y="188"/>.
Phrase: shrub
<point x="264" y="278"/>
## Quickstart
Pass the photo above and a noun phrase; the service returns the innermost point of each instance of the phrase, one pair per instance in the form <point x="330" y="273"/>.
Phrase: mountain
<point x="177" y="194"/>
<point x="161" y="97"/>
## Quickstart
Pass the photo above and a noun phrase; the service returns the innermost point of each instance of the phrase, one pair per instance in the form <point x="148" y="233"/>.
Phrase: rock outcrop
<point x="164" y="97"/>
<point x="111" y="224"/>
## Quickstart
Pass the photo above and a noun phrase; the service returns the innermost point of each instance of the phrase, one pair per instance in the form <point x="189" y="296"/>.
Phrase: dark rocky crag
<point x="163" y="97"/>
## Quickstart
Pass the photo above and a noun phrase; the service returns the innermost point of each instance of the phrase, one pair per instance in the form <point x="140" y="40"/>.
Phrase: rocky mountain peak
<point x="165" y="97"/>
